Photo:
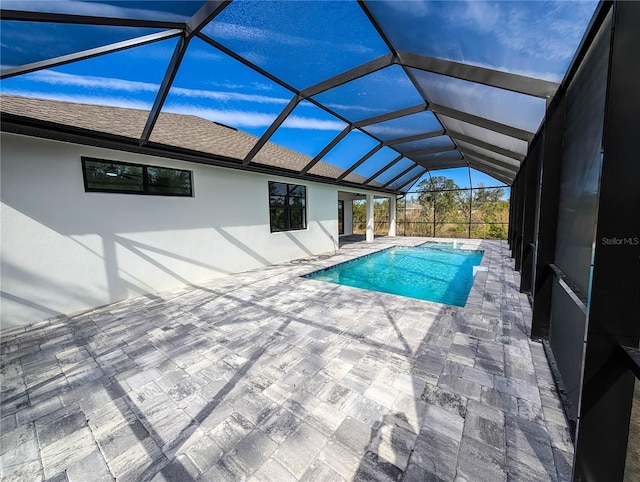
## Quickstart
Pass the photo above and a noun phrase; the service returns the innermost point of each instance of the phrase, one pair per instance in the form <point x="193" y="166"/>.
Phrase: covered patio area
<point x="265" y="375"/>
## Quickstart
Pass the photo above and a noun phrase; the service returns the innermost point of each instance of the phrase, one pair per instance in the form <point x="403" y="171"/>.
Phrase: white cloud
<point x="235" y="118"/>
<point x="87" y="81"/>
<point x="535" y="74"/>
<point x="201" y="54"/>
<point x="255" y="35"/>
<point x="243" y="33"/>
<point x="297" y="122"/>
<point x="261" y="86"/>
<point x="228" y="96"/>
<point x="518" y="110"/>
<point x="234" y="31"/>
<point x="415" y="8"/>
<point x="396" y="132"/>
<point x="544" y="30"/>
<point x="75" y="7"/>
<point x="109" y="83"/>
<point x="254" y="57"/>
<point x="483" y="15"/>
<point x="252" y="119"/>
<point x="355" y="107"/>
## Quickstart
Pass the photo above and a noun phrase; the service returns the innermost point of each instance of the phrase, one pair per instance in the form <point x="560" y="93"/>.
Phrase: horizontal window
<point x="287" y="206"/>
<point x="122" y="177"/>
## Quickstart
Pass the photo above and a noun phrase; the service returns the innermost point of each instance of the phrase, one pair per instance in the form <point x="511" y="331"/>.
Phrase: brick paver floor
<point x="266" y="376"/>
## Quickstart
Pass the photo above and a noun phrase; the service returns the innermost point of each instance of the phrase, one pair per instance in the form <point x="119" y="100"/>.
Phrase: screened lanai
<point x="389" y="91"/>
<point x="342" y="100"/>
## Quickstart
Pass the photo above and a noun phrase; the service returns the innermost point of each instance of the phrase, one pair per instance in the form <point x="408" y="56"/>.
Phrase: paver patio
<point x="266" y="376"/>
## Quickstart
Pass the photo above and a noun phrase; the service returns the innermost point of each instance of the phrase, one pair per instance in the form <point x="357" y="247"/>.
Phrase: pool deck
<point x="266" y="376"/>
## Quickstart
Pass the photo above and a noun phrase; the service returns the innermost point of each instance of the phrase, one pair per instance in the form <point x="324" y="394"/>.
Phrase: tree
<point x="490" y="213"/>
<point x="445" y="196"/>
<point x="380" y="216"/>
<point x="483" y="194"/>
<point x="436" y="187"/>
<point x="359" y="216"/>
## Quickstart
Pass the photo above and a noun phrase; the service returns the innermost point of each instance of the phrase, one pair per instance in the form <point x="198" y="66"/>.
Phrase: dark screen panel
<point x="568" y="324"/>
<point x="582" y="162"/>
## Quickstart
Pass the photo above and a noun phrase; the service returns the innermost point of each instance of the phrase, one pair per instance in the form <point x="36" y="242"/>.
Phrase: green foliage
<point x="497" y="231"/>
<point x="442" y="209"/>
<point x="484" y="194"/>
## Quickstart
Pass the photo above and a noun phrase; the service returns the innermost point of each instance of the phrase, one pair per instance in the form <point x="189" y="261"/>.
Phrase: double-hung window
<point x="287" y="206"/>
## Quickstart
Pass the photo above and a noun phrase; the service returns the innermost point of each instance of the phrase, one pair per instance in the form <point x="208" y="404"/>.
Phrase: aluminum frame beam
<point x="272" y="128"/>
<point x="444" y="164"/>
<point x="389" y="165"/>
<point x="505" y="129"/>
<point x="208" y="11"/>
<point x="49" y="17"/>
<point x="500" y="177"/>
<point x="439" y="157"/>
<point x="480" y="75"/>
<point x="88" y="54"/>
<point x="439" y="161"/>
<point x="391" y="115"/>
<point x="485" y="145"/>
<point x="491" y="170"/>
<point x="204" y="15"/>
<point x="169" y="75"/>
<point x="515" y="167"/>
<point x="360" y="162"/>
<point x="225" y="50"/>
<point x="431" y="150"/>
<point x="406" y="171"/>
<point x="334" y="142"/>
<point x="352" y="74"/>
<point x="491" y="165"/>
<point x="411" y="182"/>
<point x="417" y="137"/>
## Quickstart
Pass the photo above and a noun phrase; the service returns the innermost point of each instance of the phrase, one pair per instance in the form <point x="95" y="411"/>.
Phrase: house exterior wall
<point x="65" y="250"/>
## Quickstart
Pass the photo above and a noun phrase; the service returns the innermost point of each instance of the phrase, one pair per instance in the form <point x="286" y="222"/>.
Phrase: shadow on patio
<point x="268" y="376"/>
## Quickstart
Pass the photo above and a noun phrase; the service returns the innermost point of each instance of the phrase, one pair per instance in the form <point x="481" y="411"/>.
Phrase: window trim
<point x="287" y="208"/>
<point x="145" y="178"/>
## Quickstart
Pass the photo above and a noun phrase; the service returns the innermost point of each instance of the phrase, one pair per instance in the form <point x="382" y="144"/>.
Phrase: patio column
<point x="369" y="210"/>
<point x="392" y="216"/>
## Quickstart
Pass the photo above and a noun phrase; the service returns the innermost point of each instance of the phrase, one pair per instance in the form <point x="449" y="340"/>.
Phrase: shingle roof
<point x="176" y="130"/>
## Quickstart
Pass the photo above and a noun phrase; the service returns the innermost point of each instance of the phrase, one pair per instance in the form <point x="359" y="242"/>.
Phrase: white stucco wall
<point x="65" y="250"/>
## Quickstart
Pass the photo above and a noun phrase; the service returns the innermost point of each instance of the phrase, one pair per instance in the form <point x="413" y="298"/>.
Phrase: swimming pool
<point x="432" y="273"/>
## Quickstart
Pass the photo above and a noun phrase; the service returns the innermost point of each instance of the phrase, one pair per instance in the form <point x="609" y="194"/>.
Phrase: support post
<point x="614" y="306"/>
<point x="369" y="211"/>
<point x="547" y="221"/>
<point x="392" y="216"/>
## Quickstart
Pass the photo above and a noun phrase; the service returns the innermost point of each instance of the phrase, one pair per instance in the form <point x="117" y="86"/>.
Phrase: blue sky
<point x="304" y="43"/>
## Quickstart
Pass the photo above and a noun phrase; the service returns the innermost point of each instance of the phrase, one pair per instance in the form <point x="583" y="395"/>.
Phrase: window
<point x="340" y="216"/>
<point x="287" y="206"/>
<point x="114" y="176"/>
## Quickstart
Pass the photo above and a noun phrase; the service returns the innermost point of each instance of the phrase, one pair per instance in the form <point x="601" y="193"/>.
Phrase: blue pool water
<point x="431" y="273"/>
